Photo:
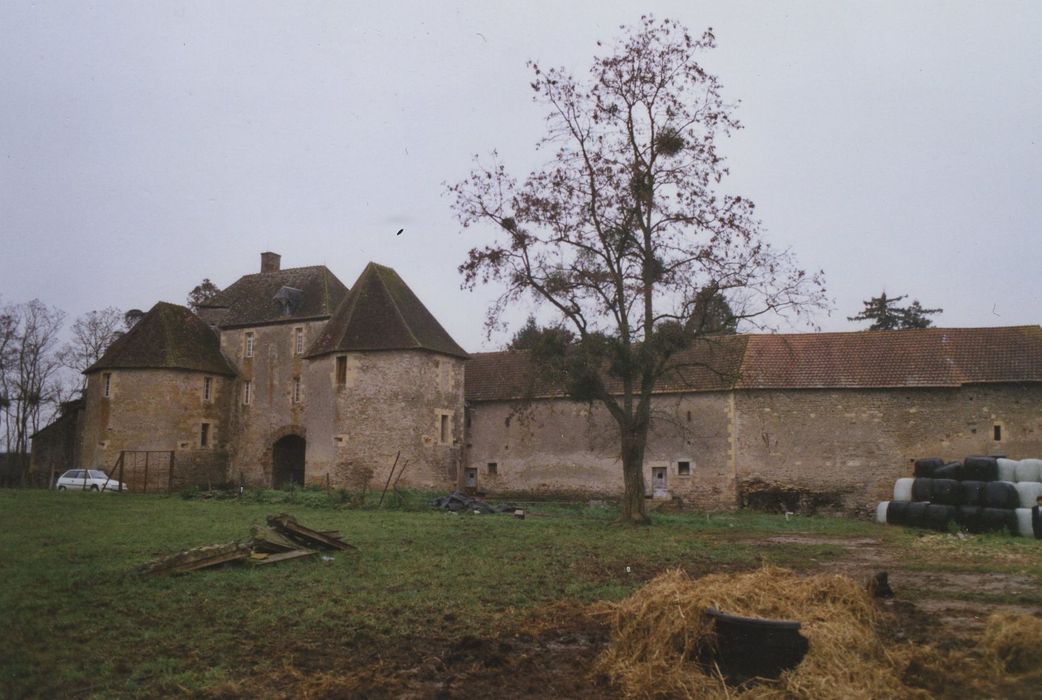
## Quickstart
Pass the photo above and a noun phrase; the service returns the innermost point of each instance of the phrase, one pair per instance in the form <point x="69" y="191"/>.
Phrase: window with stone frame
<point x="341" y="370"/>
<point x="204" y="435"/>
<point x="298" y="341"/>
<point x="106" y="384"/>
<point x="295" y="395"/>
<point x="248" y="340"/>
<point x="444" y="427"/>
<point x="207" y="389"/>
<point x="247" y="392"/>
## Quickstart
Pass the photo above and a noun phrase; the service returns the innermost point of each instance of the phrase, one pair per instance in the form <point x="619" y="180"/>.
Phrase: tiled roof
<point x="932" y="357"/>
<point x="252" y="300"/>
<point x="382" y="313"/>
<point x="167" y="337"/>
<point x="710" y="365"/>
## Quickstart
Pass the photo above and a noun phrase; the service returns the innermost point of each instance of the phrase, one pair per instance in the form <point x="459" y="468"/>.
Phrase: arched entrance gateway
<point x="287" y="461"/>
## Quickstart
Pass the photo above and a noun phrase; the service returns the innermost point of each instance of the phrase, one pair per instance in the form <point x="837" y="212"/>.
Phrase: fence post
<point x="146" y="471"/>
<point x="170" y="478"/>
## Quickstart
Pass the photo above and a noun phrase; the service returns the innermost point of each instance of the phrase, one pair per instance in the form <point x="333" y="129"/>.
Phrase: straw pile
<point x="660" y="631"/>
<point x="1013" y="641"/>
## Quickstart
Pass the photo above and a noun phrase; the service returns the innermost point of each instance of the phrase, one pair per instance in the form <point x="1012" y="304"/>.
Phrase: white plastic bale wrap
<point x="1029" y="470"/>
<point x="1029" y="491"/>
<point x="881" y="512"/>
<point x="903" y="489"/>
<point x="1024" y="522"/>
<point x="1007" y="469"/>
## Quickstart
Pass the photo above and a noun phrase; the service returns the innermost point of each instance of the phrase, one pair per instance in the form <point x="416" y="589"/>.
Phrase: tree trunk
<point x="634" y="509"/>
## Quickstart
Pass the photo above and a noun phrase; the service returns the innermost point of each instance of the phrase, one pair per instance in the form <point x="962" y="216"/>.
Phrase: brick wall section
<point x="391" y="401"/>
<point x="857" y="442"/>
<point x="563" y="446"/>
<point x="271" y="413"/>
<point x="151" y="409"/>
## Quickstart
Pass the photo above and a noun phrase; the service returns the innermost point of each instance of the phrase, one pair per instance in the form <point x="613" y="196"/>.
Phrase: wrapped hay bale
<point x="1013" y="641"/>
<point x="947" y="492"/>
<point x="896" y="513"/>
<point x="1029" y="491"/>
<point x="922" y="489"/>
<point x="903" y="489"/>
<point x="972" y="492"/>
<point x="1024" y="523"/>
<point x="661" y="634"/>
<point x="1000" y="494"/>
<point x="970" y="518"/>
<point x="926" y="466"/>
<point x="980" y="468"/>
<point x="881" y="512"/>
<point x="1007" y="469"/>
<point x="1029" y="470"/>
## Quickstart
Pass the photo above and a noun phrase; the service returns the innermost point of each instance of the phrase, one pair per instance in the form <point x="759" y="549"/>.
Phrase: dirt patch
<point x="549" y="656"/>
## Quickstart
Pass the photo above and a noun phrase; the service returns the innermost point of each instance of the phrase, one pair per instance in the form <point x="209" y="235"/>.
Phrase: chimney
<point x="270" y="262"/>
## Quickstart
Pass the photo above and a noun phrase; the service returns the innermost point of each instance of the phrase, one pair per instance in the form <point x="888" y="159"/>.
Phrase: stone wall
<point x="856" y="443"/>
<point x="272" y="412"/>
<point x="56" y="448"/>
<point x="389" y="401"/>
<point x="151" y="409"/>
<point x="555" y="446"/>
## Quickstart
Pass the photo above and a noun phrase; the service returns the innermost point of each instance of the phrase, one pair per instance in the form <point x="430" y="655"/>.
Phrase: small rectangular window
<point x="684" y="468"/>
<point x="106" y="380"/>
<point x="204" y="435"/>
<point x="247" y="392"/>
<point x="493" y="468"/>
<point x="207" y="388"/>
<point x="443" y="429"/>
<point x="296" y="389"/>
<point x="298" y="341"/>
<point x="998" y="433"/>
<point x="249" y="345"/>
<point x="341" y="370"/>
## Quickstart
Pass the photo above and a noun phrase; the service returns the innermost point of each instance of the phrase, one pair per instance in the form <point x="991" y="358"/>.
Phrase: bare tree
<point x="92" y="333"/>
<point x="31" y="381"/>
<point x="202" y="293"/>
<point x="624" y="233"/>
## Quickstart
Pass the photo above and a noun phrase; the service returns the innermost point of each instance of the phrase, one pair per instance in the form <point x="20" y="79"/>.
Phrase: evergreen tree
<point x="886" y="315"/>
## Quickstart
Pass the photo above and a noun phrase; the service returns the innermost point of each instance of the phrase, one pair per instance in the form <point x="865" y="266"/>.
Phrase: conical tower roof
<point x="382" y="313"/>
<point x="167" y="337"/>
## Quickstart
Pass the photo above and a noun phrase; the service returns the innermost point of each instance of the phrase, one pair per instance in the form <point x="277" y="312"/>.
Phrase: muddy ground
<point x="552" y="653"/>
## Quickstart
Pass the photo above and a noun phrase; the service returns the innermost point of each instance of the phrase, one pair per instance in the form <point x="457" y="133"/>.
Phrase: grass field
<point x="431" y="604"/>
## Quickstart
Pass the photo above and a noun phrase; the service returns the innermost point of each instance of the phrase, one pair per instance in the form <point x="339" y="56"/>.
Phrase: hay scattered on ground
<point x="660" y="632"/>
<point x="1014" y="641"/>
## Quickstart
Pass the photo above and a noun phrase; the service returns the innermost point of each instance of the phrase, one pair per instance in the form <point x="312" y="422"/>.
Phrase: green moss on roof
<point x="167" y="337"/>
<point x="382" y="313"/>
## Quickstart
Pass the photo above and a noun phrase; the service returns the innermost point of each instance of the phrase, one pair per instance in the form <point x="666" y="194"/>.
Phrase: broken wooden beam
<point x="288" y="526"/>
<point x="198" y="558"/>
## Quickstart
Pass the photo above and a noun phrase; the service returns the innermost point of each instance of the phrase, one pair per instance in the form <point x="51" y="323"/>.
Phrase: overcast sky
<point x="144" y="146"/>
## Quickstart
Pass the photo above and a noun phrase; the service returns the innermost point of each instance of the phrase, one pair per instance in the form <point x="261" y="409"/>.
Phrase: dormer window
<point x="289" y="299"/>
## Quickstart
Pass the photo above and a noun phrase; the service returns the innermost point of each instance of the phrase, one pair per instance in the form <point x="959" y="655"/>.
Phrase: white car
<point x="88" y="480"/>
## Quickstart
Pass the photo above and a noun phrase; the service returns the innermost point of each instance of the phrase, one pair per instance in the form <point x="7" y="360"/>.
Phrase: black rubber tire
<point x="897" y="513"/>
<point x="1000" y="494"/>
<point x="925" y="467"/>
<point x="947" y="492"/>
<point x="972" y="492"/>
<point x="915" y="515"/>
<point x="938" y="516"/>
<point x="981" y="468"/>
<point x="922" y="489"/>
<point x="94" y="487"/>
<point x="950" y="471"/>
<point x="61" y="488"/>
<point x="970" y="518"/>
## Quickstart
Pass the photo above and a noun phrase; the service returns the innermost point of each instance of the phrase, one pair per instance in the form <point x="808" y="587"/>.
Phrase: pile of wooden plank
<point x="283" y="539"/>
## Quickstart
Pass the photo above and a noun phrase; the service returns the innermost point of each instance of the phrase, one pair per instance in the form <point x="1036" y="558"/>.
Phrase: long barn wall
<point x="848" y="444"/>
